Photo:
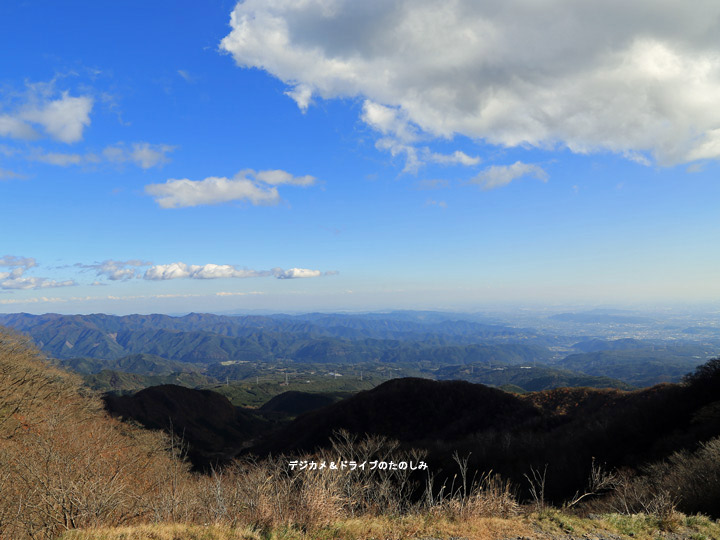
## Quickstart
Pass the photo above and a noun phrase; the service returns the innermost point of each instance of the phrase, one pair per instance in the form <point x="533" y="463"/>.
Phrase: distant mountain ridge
<point x="206" y="338"/>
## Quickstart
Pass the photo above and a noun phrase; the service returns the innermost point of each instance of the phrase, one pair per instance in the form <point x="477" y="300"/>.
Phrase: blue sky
<point x="165" y="157"/>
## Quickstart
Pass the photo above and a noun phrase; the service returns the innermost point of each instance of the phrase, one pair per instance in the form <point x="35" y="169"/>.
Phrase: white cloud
<point x="146" y="155"/>
<point x="294" y="273"/>
<point x="116" y="270"/>
<point x="15" y="128"/>
<point x="42" y="108"/>
<point x="63" y="119"/>
<point x="439" y="204"/>
<point x="180" y="270"/>
<point x="501" y="175"/>
<point x="435" y="183"/>
<point x="9" y="175"/>
<point x="226" y="293"/>
<point x="18" y="264"/>
<point x="396" y="148"/>
<point x="185" y="75"/>
<point x="126" y="270"/>
<point x="277" y="177"/>
<point x="255" y="187"/>
<point x="34" y="283"/>
<point x="417" y="157"/>
<point x="638" y="79"/>
<point x="62" y="160"/>
<point x="391" y="121"/>
<point x="54" y="300"/>
<point x="400" y="136"/>
<point x="142" y="154"/>
<point x="8" y="151"/>
<point x="14" y="279"/>
<point x="456" y="158"/>
<point x="302" y="95"/>
<point x="212" y="190"/>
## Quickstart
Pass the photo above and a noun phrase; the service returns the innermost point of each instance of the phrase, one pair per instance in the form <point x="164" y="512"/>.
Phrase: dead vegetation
<point x="65" y="465"/>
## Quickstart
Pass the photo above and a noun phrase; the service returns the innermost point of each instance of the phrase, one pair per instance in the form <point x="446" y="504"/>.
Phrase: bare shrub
<point x="634" y="494"/>
<point x="485" y="496"/>
<point x="537" y="479"/>
<point x="599" y="481"/>
<point x="692" y="479"/>
<point x="490" y="496"/>
<point x="375" y="491"/>
<point x="687" y="481"/>
<point x="65" y="464"/>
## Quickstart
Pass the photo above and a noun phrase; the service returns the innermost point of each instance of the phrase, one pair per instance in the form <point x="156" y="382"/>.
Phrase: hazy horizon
<point x="489" y="310"/>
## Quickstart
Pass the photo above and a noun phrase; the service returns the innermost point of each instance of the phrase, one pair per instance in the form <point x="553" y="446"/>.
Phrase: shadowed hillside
<point x="294" y="403"/>
<point x="213" y="427"/>
<point x="565" y="429"/>
<point x="410" y="410"/>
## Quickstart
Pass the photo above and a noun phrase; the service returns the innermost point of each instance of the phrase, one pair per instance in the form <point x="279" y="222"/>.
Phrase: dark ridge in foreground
<point x="567" y="429"/>
<point x="412" y="410"/>
<point x="212" y="427"/>
<point x="294" y="402"/>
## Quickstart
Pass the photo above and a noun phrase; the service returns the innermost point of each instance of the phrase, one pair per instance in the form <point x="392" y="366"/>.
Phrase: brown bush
<point x="63" y="463"/>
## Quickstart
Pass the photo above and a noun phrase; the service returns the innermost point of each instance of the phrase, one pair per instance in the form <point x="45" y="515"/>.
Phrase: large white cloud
<point x="256" y="187"/>
<point x="634" y="78"/>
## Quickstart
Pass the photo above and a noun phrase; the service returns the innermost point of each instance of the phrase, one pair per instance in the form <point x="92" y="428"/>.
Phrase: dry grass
<point x="165" y="532"/>
<point x="490" y="496"/>
<point x="384" y="527"/>
<point x="423" y="526"/>
<point x="547" y="525"/>
<point x="555" y="522"/>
